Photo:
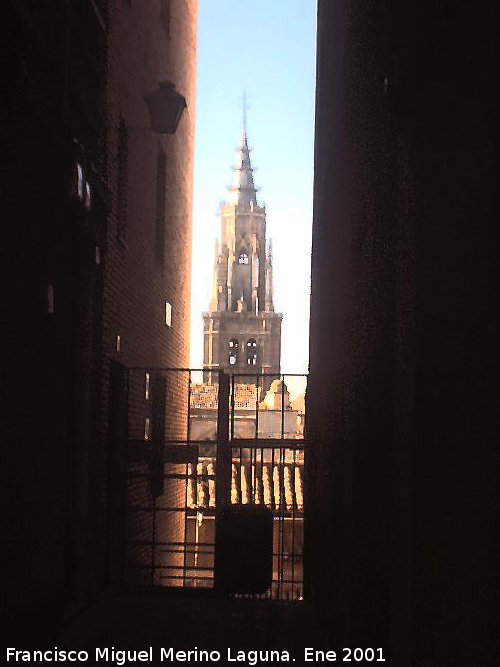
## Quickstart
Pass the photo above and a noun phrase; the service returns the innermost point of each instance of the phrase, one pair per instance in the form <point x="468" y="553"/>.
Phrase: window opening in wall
<point x="243" y="258"/>
<point x="252" y="352"/>
<point x="147" y="380"/>
<point x="147" y="429"/>
<point x="233" y="351"/>
<point x="168" y="314"/>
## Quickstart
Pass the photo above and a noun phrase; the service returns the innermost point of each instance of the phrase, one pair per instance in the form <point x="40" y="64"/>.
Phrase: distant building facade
<point x="273" y="417"/>
<point x="241" y="330"/>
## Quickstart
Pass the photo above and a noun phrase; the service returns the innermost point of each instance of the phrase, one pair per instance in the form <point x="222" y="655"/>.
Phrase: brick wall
<point x="148" y="46"/>
<point x="137" y="286"/>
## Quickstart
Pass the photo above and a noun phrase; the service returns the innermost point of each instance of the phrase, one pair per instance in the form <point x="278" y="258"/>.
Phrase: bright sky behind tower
<point x="267" y="49"/>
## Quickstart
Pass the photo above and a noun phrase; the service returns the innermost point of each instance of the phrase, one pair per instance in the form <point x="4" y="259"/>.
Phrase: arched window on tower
<point x="233" y="351"/>
<point x="243" y="258"/>
<point x="252" y="353"/>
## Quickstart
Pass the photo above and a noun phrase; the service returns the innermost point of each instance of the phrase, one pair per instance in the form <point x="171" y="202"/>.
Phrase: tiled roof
<point x="206" y="396"/>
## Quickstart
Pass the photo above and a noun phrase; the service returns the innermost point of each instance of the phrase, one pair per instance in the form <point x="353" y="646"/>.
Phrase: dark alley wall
<point x="80" y="271"/>
<point x="402" y="405"/>
<point x="53" y="55"/>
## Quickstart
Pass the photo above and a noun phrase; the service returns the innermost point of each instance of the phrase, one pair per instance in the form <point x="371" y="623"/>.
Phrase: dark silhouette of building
<point x="241" y="331"/>
<point x="401" y="404"/>
<point x="98" y="266"/>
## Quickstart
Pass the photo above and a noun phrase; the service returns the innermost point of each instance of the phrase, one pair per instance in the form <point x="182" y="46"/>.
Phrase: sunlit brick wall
<point x="147" y="263"/>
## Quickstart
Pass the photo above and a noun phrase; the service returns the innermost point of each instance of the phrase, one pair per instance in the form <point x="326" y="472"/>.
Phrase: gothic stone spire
<point x="242" y="332"/>
<point x="244" y="192"/>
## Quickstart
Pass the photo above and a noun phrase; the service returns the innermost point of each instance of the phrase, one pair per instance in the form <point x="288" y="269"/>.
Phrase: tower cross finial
<point x="245" y="105"/>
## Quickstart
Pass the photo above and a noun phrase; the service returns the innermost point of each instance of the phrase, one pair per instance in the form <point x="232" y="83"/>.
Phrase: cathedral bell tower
<point x="242" y="333"/>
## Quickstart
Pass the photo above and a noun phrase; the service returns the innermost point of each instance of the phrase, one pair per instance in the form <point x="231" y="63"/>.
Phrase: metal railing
<point x="190" y="448"/>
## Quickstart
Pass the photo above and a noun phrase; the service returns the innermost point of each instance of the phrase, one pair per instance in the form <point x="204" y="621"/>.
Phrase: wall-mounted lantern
<point x="166" y="106"/>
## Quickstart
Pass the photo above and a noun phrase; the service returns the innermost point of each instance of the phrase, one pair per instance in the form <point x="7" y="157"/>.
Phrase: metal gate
<point x="186" y="445"/>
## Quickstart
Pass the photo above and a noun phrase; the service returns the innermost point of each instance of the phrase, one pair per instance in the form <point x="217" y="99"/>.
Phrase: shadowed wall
<point x="401" y="403"/>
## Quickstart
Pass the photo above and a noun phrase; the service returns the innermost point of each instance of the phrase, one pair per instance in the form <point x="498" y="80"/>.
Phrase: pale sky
<point x="267" y="49"/>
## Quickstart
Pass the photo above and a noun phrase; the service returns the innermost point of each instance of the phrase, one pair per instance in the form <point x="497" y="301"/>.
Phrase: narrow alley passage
<point x="185" y="622"/>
